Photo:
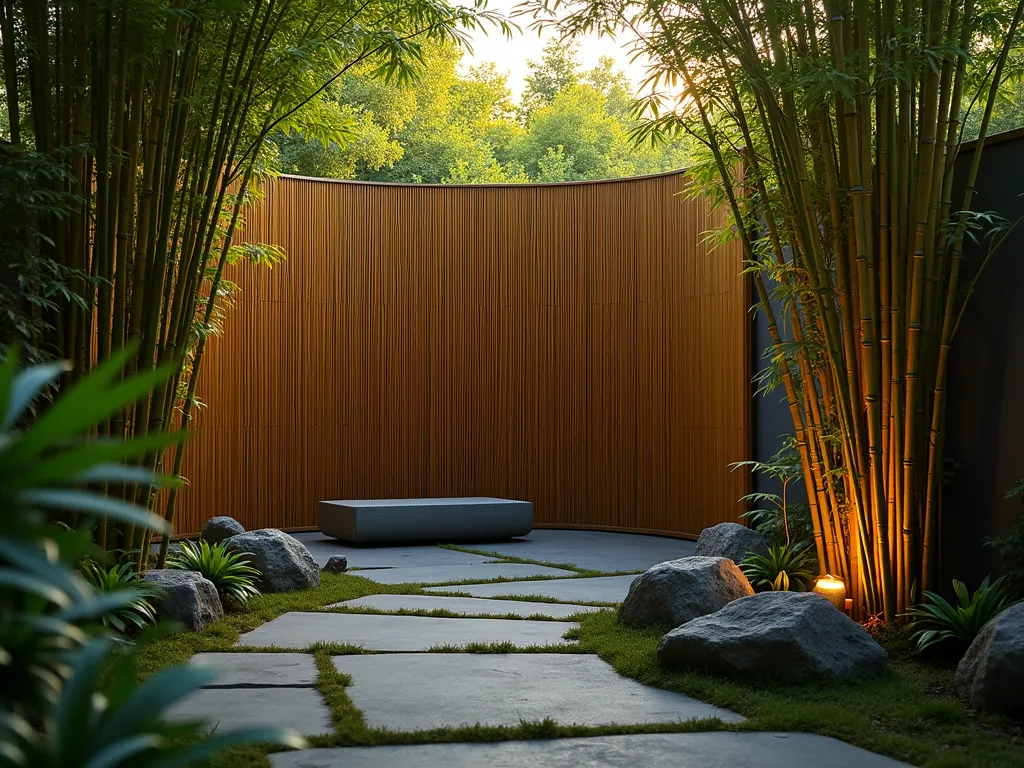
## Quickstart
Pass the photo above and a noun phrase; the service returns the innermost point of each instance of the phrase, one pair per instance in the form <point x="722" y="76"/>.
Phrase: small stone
<point x="991" y="674"/>
<point x="791" y="636"/>
<point x="219" y="528"/>
<point x="284" y="564"/>
<point x="681" y="590"/>
<point x="731" y="540"/>
<point x="186" y="597"/>
<point x="336" y="564"/>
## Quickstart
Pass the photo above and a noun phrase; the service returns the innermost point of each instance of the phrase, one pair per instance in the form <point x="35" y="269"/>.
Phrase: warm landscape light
<point x="833" y="590"/>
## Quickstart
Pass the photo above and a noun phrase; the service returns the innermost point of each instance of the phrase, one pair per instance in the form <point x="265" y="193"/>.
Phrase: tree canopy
<point x="451" y="126"/>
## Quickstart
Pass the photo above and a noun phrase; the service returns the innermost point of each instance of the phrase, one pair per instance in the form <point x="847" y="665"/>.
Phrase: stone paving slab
<point x="468" y="606"/>
<point x="595" y="550"/>
<point x="410" y="692"/>
<point x="600" y="589"/>
<point x="437" y="574"/>
<point x="670" y="750"/>
<point x="323" y="547"/>
<point x="400" y="633"/>
<point x="229" y="708"/>
<point x="259" y="670"/>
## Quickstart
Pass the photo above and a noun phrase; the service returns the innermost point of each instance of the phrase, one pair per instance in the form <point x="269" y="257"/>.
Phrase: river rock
<point x="783" y="635"/>
<point x="219" y="528"/>
<point x="731" y="540"/>
<point x="680" y="590"/>
<point x="284" y="563"/>
<point x="185" y="596"/>
<point x="991" y="674"/>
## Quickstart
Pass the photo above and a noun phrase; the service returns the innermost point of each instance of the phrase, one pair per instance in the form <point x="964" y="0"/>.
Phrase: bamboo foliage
<point x="847" y="116"/>
<point x="161" y="111"/>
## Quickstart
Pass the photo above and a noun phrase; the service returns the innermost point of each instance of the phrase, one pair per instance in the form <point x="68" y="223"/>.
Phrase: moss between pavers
<point x="525" y="597"/>
<point x="222" y="636"/>
<point x="909" y="714"/>
<point x="444" y="613"/>
<point x="351" y="729"/>
<point x="584" y="572"/>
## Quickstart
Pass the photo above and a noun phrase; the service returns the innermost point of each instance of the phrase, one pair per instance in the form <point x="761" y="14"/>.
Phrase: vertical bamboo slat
<point x="574" y="345"/>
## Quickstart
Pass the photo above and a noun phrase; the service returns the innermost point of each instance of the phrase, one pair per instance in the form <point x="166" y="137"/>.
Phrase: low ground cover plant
<point x="229" y="571"/>
<point x="936" y="622"/>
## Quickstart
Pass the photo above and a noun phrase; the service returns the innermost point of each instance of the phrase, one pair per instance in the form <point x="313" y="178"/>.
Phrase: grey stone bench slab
<point x="377" y="521"/>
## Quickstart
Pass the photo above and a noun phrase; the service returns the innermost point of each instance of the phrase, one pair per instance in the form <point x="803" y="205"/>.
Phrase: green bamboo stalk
<point x="193" y="379"/>
<point x="154" y="152"/>
<point x="927" y="126"/>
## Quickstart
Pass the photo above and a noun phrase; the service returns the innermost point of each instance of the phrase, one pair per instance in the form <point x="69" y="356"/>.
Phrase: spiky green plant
<point x="230" y="572"/>
<point x="124" y="579"/>
<point x="785" y="568"/>
<point x="938" y="622"/>
<point x="66" y="697"/>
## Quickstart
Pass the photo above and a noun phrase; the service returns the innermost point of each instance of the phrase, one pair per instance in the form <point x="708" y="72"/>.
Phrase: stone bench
<point x="380" y="521"/>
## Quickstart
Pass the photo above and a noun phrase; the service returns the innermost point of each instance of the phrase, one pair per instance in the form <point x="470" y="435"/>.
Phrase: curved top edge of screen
<point x="506" y="185"/>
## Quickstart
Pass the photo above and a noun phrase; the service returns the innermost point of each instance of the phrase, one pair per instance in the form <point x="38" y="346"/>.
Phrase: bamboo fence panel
<point x="575" y="345"/>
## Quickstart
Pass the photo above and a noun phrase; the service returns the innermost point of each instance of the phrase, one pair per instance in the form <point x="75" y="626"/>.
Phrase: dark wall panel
<point x="985" y="424"/>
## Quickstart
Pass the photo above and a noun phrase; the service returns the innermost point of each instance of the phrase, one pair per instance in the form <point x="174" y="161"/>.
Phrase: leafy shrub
<point x="783" y="521"/>
<point x="230" y="572"/>
<point x="67" y="692"/>
<point x="784" y="568"/>
<point x="1011" y="547"/>
<point x="136" y="615"/>
<point x="773" y="523"/>
<point x="938" y="622"/>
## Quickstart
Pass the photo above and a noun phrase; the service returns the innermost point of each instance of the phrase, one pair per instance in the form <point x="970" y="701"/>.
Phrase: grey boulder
<point x="991" y="674"/>
<point x="731" y="540"/>
<point x="219" y="528"/>
<point x="186" y="596"/>
<point x="782" y="635"/>
<point x="336" y="564"/>
<point x="681" y="590"/>
<point x="284" y="563"/>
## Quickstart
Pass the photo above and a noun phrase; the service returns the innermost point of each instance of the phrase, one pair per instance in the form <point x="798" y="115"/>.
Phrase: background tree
<point x="1008" y="110"/>
<point x="831" y="132"/>
<point x="578" y="133"/>
<point x="558" y="69"/>
<point x="462" y="127"/>
<point x="423" y="131"/>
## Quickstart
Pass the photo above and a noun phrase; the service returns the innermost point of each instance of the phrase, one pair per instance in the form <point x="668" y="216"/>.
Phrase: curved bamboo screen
<point x="575" y="345"/>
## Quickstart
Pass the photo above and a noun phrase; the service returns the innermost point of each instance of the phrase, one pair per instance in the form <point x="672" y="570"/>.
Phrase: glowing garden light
<point x="833" y="590"/>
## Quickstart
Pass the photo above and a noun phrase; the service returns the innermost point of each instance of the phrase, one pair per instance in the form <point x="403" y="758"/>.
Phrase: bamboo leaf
<point x="95" y="504"/>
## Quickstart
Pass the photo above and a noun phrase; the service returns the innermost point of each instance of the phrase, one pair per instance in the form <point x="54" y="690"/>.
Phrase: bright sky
<point x="511" y="56"/>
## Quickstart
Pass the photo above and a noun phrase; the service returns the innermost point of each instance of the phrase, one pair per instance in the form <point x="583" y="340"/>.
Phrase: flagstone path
<point x="655" y="750"/>
<point x="597" y="589"/>
<point x="402" y="684"/>
<point x="467" y="606"/>
<point x="400" y="633"/>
